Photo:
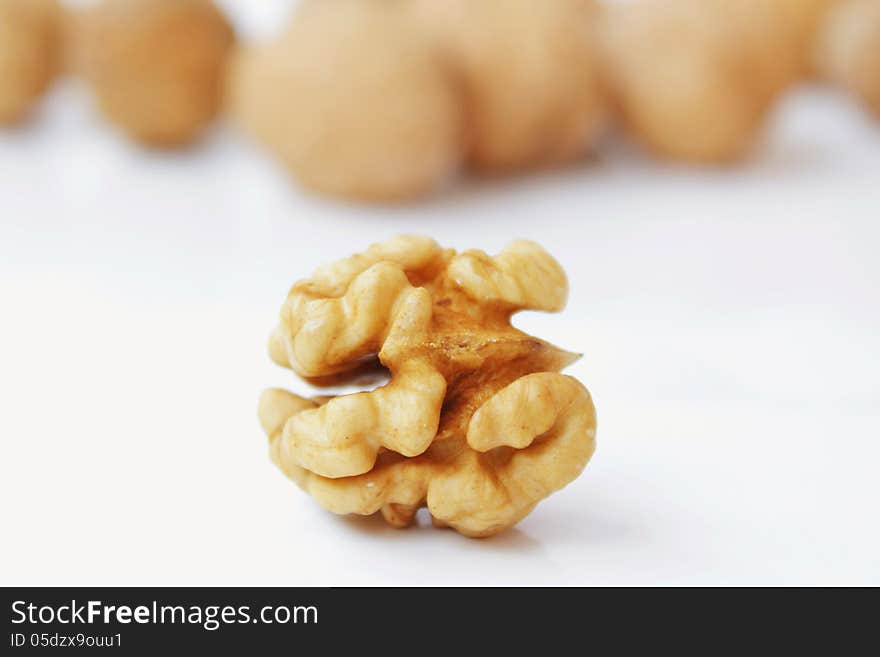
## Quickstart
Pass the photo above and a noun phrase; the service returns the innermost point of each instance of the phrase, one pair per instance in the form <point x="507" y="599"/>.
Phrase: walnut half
<point x="475" y="422"/>
<point x="848" y="50"/>
<point x="29" y="54"/>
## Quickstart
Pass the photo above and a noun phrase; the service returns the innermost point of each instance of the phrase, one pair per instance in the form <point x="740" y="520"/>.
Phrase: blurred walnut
<point x="529" y="75"/>
<point x="156" y="66"/>
<point x="806" y="18"/>
<point x="694" y="79"/>
<point x="29" y="53"/>
<point x="848" y="52"/>
<point x="353" y="101"/>
<point x="475" y="422"/>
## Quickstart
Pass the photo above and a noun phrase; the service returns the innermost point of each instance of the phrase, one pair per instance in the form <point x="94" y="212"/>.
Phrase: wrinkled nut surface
<point x="475" y="422"/>
<point x="848" y="51"/>
<point x="156" y="66"/>
<point x="353" y="101"/>
<point x="29" y="53"/>
<point x="694" y="79"/>
<point x="529" y="74"/>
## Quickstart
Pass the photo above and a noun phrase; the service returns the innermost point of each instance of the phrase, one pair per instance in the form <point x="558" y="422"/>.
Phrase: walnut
<point x="694" y="79"/>
<point x="475" y="422"/>
<point x="848" y="52"/>
<point x="156" y="66"/>
<point x="530" y="77"/>
<point x="29" y="54"/>
<point x="807" y="18"/>
<point x="353" y="101"/>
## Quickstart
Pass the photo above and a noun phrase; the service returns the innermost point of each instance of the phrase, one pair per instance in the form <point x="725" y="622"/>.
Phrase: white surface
<point x="729" y="320"/>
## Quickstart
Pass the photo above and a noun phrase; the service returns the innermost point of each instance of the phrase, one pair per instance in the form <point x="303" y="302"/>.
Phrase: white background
<point x="729" y="320"/>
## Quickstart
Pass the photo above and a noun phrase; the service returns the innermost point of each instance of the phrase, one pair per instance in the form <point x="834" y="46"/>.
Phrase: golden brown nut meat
<point x="849" y="50"/>
<point x="29" y="52"/>
<point x="353" y="101"/>
<point x="156" y="66"/>
<point x="529" y="73"/>
<point x="694" y="78"/>
<point x="475" y="423"/>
